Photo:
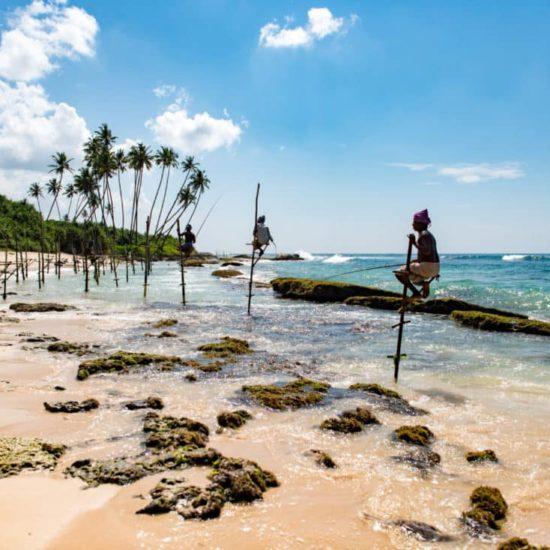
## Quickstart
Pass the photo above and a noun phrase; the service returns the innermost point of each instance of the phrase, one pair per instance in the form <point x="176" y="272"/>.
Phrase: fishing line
<point x="363" y="269"/>
<point x="208" y="214"/>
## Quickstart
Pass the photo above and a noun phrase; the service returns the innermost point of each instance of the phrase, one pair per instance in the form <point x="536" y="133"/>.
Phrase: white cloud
<point x="164" y="90"/>
<point x="469" y="173"/>
<point x="193" y="134"/>
<point x="41" y="32"/>
<point x="32" y="127"/>
<point x="320" y="24"/>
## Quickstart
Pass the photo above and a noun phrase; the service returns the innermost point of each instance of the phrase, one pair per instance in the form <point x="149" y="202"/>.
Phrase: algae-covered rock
<point x="72" y="406"/>
<point x="193" y="262"/>
<point x="165" y="323"/>
<point x="422" y="531"/>
<point x="170" y="432"/>
<point x="438" y="306"/>
<point x="388" y="399"/>
<point x="163" y="334"/>
<point x="226" y="273"/>
<point x="299" y="393"/>
<point x="45" y="307"/>
<point x="152" y="402"/>
<point x="241" y="480"/>
<point x="350" y="421"/>
<point x="18" y="453"/>
<point x="190" y="377"/>
<point x="288" y="258"/>
<point x="69" y="347"/>
<point x="421" y="459"/>
<point x="415" y="435"/>
<point x="233" y="419"/>
<point x="323" y="459"/>
<point x="226" y="347"/>
<point x="517" y="543"/>
<point x="499" y="323"/>
<point x="232" y="264"/>
<point x="121" y="362"/>
<point x="488" y="511"/>
<point x="487" y="455"/>
<point x="323" y="291"/>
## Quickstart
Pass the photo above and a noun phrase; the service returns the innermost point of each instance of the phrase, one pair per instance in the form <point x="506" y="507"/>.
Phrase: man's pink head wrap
<point x="422" y="217"/>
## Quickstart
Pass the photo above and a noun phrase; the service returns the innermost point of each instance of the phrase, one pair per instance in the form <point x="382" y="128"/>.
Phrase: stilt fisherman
<point x="261" y="236"/>
<point x="189" y="241"/>
<point x="425" y="268"/>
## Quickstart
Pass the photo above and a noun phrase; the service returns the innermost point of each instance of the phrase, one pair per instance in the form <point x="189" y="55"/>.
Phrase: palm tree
<point x="85" y="186"/>
<point x="35" y="191"/>
<point x="199" y="184"/>
<point x="121" y="161"/>
<point x="167" y="158"/>
<point x="140" y="158"/>
<point x="53" y="187"/>
<point x="61" y="164"/>
<point x="70" y="193"/>
<point x="105" y="136"/>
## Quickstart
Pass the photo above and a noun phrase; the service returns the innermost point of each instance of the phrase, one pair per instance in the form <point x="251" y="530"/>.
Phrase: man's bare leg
<point x="403" y="278"/>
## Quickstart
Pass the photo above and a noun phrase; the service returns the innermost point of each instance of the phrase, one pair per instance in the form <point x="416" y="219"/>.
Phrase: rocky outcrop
<point x="288" y="258"/>
<point x="414" y="435"/>
<point x="233" y="419"/>
<point x="18" y="454"/>
<point x="488" y="511"/>
<point x="499" y="323"/>
<point x="350" y="421"/>
<point x="165" y="323"/>
<point x="322" y="459"/>
<point x="420" y="459"/>
<point x="45" y="307"/>
<point x="387" y="399"/>
<point x="152" y="402"/>
<point x="226" y="273"/>
<point x="517" y="543"/>
<point x="69" y="347"/>
<point x="72" y="406"/>
<point x="297" y="394"/>
<point x="323" y="291"/>
<point x="488" y="455"/>
<point x="226" y="348"/>
<point x="422" y="531"/>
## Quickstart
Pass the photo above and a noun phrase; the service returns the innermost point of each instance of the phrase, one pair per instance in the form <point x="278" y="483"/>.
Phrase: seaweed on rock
<point x="69" y="347"/>
<point x="414" y="435"/>
<point x="517" y="543"/>
<point x="350" y="421"/>
<point x="233" y="419"/>
<point x="72" y="406"/>
<point x="18" y="453"/>
<point x="488" y="455"/>
<point x="151" y="402"/>
<point x="499" y="323"/>
<point x="226" y="347"/>
<point x="299" y="393"/>
<point x="322" y="459"/>
<point x="488" y="511"/>
<point x="43" y="307"/>
<point x="388" y="399"/>
<point x="170" y="432"/>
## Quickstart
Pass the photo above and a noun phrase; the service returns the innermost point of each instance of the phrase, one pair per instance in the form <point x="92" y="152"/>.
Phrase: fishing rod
<point x="208" y="214"/>
<point x="361" y="270"/>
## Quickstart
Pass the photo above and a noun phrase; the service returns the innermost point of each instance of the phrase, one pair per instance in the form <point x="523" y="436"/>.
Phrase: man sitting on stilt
<point x="262" y="236"/>
<point x="189" y="240"/>
<point x="426" y="266"/>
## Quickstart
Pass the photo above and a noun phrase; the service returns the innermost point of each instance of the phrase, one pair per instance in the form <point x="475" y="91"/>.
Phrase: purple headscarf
<point x="422" y="217"/>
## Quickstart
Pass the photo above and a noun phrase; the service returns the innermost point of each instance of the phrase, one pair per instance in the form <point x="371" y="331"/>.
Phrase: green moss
<point x="299" y="393"/>
<point x="323" y="291"/>
<point x="165" y="323"/>
<point x="170" y="432"/>
<point x="20" y="307"/>
<point x="68" y="347"/>
<point x="122" y="361"/>
<point x="163" y="334"/>
<point x="438" y="306"/>
<point x="498" y="323"/>
<point x="487" y="455"/>
<point x="152" y="402"/>
<point x="350" y="421"/>
<point x="489" y="499"/>
<point x="323" y="459"/>
<point x="72" y="406"/>
<point x="17" y="454"/>
<point x="226" y="273"/>
<point x="226" y="347"/>
<point x="376" y="389"/>
<point x="516" y="543"/>
<point x="233" y="419"/>
<point x="415" y="435"/>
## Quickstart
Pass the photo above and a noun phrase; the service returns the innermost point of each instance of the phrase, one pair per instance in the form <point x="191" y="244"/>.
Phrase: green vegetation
<point x="226" y="347"/>
<point x="487" y="455"/>
<point x="233" y="419"/>
<point x="516" y="543"/>
<point x="498" y="323"/>
<point x="350" y="421"/>
<point x="17" y="454"/>
<point x="488" y="510"/>
<point x="415" y="435"/>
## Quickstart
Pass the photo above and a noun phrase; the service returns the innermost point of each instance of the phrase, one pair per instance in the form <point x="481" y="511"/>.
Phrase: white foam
<point x="337" y="259"/>
<point x="306" y="255"/>
<point x="513" y="257"/>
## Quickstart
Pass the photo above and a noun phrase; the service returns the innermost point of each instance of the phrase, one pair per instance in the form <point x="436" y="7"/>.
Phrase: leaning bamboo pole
<point x="253" y="262"/>
<point x="182" y="265"/>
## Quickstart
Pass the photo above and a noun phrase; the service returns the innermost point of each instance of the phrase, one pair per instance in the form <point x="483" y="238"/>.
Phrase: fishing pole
<point x="208" y="214"/>
<point x="363" y="269"/>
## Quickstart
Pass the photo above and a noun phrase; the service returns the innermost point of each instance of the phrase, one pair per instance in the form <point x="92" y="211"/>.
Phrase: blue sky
<point x="352" y="117"/>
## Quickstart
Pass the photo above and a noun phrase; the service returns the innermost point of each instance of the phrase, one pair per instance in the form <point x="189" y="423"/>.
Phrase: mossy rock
<point x="226" y="273"/>
<point x="169" y="432"/>
<point x="18" y="454"/>
<point x="438" y="306"/>
<point x="165" y="323"/>
<point x="323" y="459"/>
<point x="68" y="347"/>
<point x="151" y="402"/>
<point x="517" y="543"/>
<point x="414" y="435"/>
<point x="299" y="393"/>
<point x="487" y="455"/>
<point x="233" y="419"/>
<point x="350" y="421"/>
<point x="226" y="347"/>
<point x="232" y="264"/>
<point x="422" y="531"/>
<point x="498" y="323"/>
<point x="72" y="406"/>
<point x="288" y="258"/>
<point x="192" y="262"/>
<point x="420" y="459"/>
<point x="163" y="334"/>
<point x="323" y="291"/>
<point x="488" y="511"/>
<point x="122" y="361"/>
<point x="388" y="399"/>
<point x="44" y="307"/>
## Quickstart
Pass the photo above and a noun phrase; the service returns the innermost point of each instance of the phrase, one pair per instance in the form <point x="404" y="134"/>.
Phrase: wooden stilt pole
<point x="253" y="261"/>
<point x="16" y="262"/>
<point x="147" y="258"/>
<point x="182" y="265"/>
<point x="5" y="278"/>
<point x="402" y="322"/>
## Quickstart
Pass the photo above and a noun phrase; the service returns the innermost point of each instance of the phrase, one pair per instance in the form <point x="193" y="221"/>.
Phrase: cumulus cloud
<point x="320" y="24"/>
<point x="469" y="173"/>
<point x="32" y="127"/>
<point x="193" y="134"/>
<point x="40" y="33"/>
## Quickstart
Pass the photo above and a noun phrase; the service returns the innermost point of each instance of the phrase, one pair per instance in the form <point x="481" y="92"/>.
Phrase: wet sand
<point x="313" y="507"/>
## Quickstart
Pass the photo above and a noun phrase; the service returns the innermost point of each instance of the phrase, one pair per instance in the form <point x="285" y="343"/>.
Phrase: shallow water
<point x="483" y="390"/>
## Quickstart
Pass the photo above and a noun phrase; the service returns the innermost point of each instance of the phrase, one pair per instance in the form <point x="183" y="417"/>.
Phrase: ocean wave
<point x="308" y="256"/>
<point x="523" y="257"/>
<point x="337" y="259"/>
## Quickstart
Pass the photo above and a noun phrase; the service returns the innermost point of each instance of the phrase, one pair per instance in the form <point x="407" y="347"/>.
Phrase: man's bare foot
<point x="425" y="290"/>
